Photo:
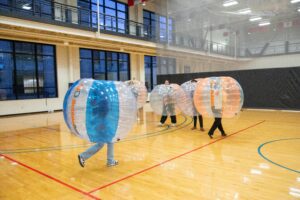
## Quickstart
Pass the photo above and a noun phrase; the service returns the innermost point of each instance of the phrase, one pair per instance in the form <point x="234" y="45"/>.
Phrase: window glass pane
<point x="100" y="2"/>
<point x="99" y="66"/>
<point x="110" y="3"/>
<point x="45" y="50"/>
<point x="148" y="81"/>
<point x="146" y="14"/>
<point x="86" y="68"/>
<point x="44" y="7"/>
<point x="99" y="69"/>
<point x="123" y="57"/>
<point x="154" y="71"/>
<point x="114" y="56"/>
<point x="46" y="79"/>
<point x="112" y="70"/>
<point x="85" y="53"/>
<point x="5" y="2"/>
<point x="110" y="12"/>
<point x="102" y="55"/>
<point x="163" y="19"/>
<point x="84" y="4"/>
<point x="121" y="7"/>
<point x="26" y="78"/>
<point x="96" y="55"/>
<point x="24" y="47"/>
<point x="5" y="46"/>
<point x="153" y="16"/>
<point x="147" y="21"/>
<point x="121" y="15"/>
<point x="124" y="72"/>
<point x="6" y="76"/>
<point x="94" y="8"/>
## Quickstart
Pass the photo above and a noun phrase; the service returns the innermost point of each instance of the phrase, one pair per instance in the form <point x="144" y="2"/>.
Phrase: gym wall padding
<point x="276" y="88"/>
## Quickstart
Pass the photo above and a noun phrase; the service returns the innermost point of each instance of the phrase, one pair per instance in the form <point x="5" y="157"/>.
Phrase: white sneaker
<point x="160" y="124"/>
<point x="173" y="124"/>
<point x="113" y="163"/>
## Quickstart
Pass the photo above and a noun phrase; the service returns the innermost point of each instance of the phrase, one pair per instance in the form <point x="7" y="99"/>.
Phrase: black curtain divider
<point x="276" y="88"/>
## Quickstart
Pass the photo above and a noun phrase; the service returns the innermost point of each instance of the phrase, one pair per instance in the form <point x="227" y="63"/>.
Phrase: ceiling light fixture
<point x="295" y="1"/>
<point x="298" y="10"/>
<point x="230" y="3"/>
<point x="245" y="11"/>
<point x="264" y="24"/>
<point x="253" y="19"/>
<point x="26" y="6"/>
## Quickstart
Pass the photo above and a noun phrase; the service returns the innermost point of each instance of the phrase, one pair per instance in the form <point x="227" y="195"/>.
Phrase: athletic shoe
<point x="173" y="124"/>
<point x="202" y="129"/>
<point x="81" y="161"/>
<point x="113" y="163"/>
<point x="160" y="124"/>
<point x="193" y="128"/>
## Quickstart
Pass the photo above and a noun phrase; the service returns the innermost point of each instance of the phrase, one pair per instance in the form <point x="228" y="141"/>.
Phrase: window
<point x="27" y="70"/>
<point x="166" y="65"/>
<point x="41" y="8"/>
<point x="149" y="24"/>
<point x="113" y="14"/>
<point x="150" y="72"/>
<point x="152" y="20"/>
<point x="171" y="29"/>
<point x="104" y="65"/>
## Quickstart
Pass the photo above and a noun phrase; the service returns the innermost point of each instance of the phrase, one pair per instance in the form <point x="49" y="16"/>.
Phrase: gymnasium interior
<point x="46" y="46"/>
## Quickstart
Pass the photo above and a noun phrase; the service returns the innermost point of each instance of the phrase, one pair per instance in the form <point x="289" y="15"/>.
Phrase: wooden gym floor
<point x="260" y="159"/>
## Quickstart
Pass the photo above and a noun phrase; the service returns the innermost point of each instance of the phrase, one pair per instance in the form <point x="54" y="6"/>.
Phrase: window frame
<point x="35" y="55"/>
<point x="106" y="63"/>
<point x="151" y="70"/>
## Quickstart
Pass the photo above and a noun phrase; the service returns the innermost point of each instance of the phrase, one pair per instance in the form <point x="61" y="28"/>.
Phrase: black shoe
<point x="224" y="134"/>
<point x="81" y="161"/>
<point x="210" y="135"/>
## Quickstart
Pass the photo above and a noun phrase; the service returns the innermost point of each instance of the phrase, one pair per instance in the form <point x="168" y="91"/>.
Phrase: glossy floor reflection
<point x="39" y="160"/>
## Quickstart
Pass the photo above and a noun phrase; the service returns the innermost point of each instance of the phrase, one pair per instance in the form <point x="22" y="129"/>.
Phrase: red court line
<point x="51" y="177"/>
<point x="180" y="155"/>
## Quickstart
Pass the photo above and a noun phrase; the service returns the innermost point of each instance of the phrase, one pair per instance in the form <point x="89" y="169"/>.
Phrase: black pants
<point x="200" y="121"/>
<point x="217" y="124"/>
<point x="164" y="118"/>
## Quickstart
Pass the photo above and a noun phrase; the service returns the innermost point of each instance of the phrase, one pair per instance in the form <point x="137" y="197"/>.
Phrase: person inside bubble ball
<point x="196" y="114"/>
<point x="168" y="107"/>
<point x="100" y="111"/>
<point x="216" y="107"/>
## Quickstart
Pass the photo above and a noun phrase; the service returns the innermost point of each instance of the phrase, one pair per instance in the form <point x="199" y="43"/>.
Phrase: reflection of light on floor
<point x="189" y="174"/>
<point x="255" y="171"/>
<point x="14" y="163"/>
<point x="168" y="166"/>
<point x="246" y="179"/>
<point x="298" y="179"/>
<point x="236" y="195"/>
<point x="264" y="166"/>
<point x="294" y="192"/>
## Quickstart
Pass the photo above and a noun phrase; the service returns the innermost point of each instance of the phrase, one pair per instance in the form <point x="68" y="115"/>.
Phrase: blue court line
<point x="267" y="159"/>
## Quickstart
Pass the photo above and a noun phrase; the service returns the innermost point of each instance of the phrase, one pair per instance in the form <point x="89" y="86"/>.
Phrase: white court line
<point x="271" y="110"/>
<point x="256" y="109"/>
